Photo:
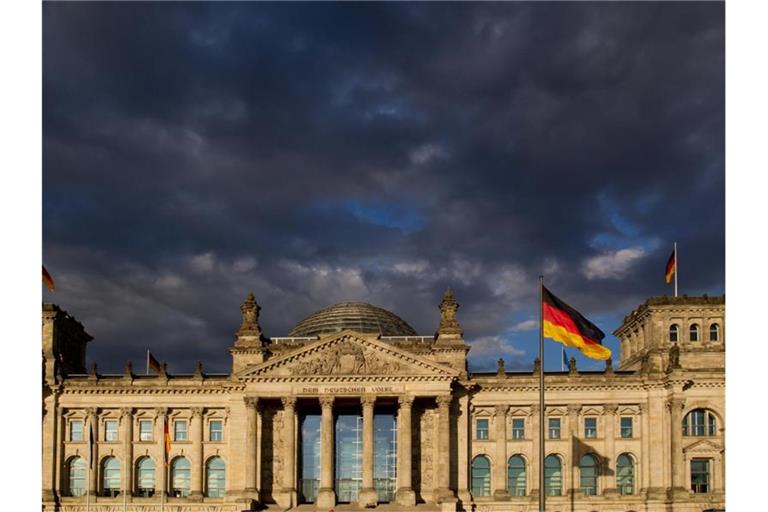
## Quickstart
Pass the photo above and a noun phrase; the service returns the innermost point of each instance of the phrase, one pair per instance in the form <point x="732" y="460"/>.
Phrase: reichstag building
<point x="355" y="410"/>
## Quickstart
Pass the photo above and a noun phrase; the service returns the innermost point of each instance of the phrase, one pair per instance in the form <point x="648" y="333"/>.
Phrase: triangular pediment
<point x="347" y="354"/>
<point x="703" y="446"/>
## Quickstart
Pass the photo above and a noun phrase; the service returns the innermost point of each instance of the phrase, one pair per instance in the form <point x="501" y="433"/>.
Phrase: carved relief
<point x="277" y="443"/>
<point x="428" y="430"/>
<point x="346" y="358"/>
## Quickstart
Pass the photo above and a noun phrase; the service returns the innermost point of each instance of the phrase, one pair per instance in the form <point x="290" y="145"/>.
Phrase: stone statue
<point x="448" y="322"/>
<point x="500" y="371"/>
<point x="250" y="310"/>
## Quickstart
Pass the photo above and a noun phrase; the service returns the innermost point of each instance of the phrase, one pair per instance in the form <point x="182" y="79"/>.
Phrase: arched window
<point x="110" y="476"/>
<point x="481" y="476"/>
<point x="588" y="473"/>
<point x="77" y="470"/>
<point x="215" y="477"/>
<point x="145" y="477"/>
<point x="700" y="422"/>
<point x="180" y="477"/>
<point x="693" y="334"/>
<point x="516" y="476"/>
<point x="673" y="333"/>
<point x="625" y="474"/>
<point x="714" y="332"/>
<point x="553" y="476"/>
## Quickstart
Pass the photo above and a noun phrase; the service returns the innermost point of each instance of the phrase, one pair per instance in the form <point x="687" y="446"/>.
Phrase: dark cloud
<point x="316" y="153"/>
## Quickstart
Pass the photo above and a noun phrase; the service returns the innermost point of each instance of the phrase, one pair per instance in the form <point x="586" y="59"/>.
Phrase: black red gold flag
<point x="48" y="280"/>
<point x="564" y="324"/>
<point x="153" y="363"/>
<point x="671" y="267"/>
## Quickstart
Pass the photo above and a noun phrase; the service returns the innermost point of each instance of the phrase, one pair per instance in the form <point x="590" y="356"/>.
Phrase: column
<point x="53" y="437"/>
<point x="443" y="492"/>
<point x="289" y="453"/>
<point x="405" y="495"/>
<point x="643" y="476"/>
<point x="569" y="467"/>
<point x="161" y="416"/>
<point x="326" y="496"/>
<point x="533" y="479"/>
<point x="258" y="440"/>
<point x="500" y="460"/>
<point x="196" y="454"/>
<point x="675" y="406"/>
<point x="93" y="420"/>
<point x="609" y="483"/>
<point x="463" y="451"/>
<point x="126" y="417"/>
<point x="251" y="405"/>
<point x="368" y="496"/>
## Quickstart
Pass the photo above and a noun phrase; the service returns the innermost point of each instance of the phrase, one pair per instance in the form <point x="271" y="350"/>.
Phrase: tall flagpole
<point x="542" y="498"/>
<point x="677" y="269"/>
<point x="87" y="490"/>
<point x="147" y="373"/>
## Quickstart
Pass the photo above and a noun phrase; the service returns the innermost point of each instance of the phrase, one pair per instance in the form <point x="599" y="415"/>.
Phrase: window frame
<point x="82" y="476"/>
<point x="693" y="332"/>
<point x="695" y="487"/>
<point x="596" y="467"/>
<point x="714" y="327"/>
<point x="551" y="429"/>
<point x="71" y="431"/>
<point x="590" y="432"/>
<point x="113" y="436"/>
<point x="486" y="430"/>
<point x="146" y="492"/>
<point x="486" y="479"/>
<point x="220" y="431"/>
<point x="144" y="421"/>
<point x="706" y="428"/>
<point x="559" y="469"/>
<point x="674" y="329"/>
<point x="176" y="424"/>
<point x="632" y="476"/>
<point x="174" y="470"/>
<point x="513" y="489"/>
<point x="518" y="432"/>
<point x="223" y="490"/>
<point x="110" y="474"/>
<point x="631" y="427"/>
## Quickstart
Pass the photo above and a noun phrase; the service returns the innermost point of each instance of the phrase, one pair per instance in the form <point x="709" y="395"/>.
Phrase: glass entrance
<point x="349" y="457"/>
<point x="385" y="456"/>
<point x="309" y="475"/>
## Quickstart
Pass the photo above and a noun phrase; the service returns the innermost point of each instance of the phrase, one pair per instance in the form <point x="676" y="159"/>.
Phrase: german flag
<point x="167" y="439"/>
<point x="153" y="363"/>
<point x="671" y="267"/>
<point x="564" y="324"/>
<point x="48" y="280"/>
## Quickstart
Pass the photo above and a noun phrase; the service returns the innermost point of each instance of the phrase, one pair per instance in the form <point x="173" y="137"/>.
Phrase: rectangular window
<point x="518" y="428"/>
<point x="626" y="426"/>
<point x="180" y="430"/>
<point x="145" y="430"/>
<point x="110" y="430"/>
<point x="482" y="429"/>
<point x="700" y="475"/>
<point x="554" y="428"/>
<point x="216" y="433"/>
<point x="75" y="430"/>
<point x="590" y="428"/>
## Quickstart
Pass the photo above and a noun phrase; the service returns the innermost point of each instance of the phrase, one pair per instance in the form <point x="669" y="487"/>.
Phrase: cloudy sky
<point x="375" y="152"/>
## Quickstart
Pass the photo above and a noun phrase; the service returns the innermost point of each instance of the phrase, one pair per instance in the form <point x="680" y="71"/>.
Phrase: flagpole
<point x="87" y="490"/>
<point x="562" y="359"/>
<point x="542" y="498"/>
<point x="677" y="269"/>
<point x="147" y="372"/>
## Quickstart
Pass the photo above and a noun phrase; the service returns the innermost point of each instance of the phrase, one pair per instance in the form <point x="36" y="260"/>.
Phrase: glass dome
<point x="356" y="316"/>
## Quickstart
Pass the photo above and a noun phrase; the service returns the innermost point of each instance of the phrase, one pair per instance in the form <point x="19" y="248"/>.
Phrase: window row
<point x="144" y="483"/>
<point x="626" y="430"/>
<point x="146" y="430"/>
<point x="693" y="333"/>
<point x="517" y="475"/>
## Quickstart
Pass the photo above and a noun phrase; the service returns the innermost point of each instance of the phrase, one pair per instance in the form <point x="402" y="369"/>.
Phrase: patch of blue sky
<point x="374" y="212"/>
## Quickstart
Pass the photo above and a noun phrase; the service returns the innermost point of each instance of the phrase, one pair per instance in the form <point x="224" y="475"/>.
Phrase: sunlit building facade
<point x="353" y="409"/>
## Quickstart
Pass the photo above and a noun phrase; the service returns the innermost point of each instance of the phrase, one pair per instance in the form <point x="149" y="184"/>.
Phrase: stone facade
<point x="458" y="434"/>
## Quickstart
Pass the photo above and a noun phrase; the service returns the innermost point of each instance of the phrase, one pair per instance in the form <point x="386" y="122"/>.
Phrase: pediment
<point x="347" y="354"/>
<point x="704" y="446"/>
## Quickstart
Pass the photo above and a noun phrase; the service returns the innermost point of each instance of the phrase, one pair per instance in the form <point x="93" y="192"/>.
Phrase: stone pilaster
<point x="326" y="496"/>
<point x="289" y="453"/>
<point x="675" y="406"/>
<point x="126" y="417"/>
<point x="52" y="444"/>
<point x="535" y="462"/>
<point x="443" y="493"/>
<point x="161" y="416"/>
<point x="405" y="495"/>
<point x="463" y="438"/>
<point x="368" y="496"/>
<point x="500" y="460"/>
<point x="196" y="454"/>
<point x="569" y="478"/>
<point x="609" y="420"/>
<point x="93" y="423"/>
<point x="251" y="441"/>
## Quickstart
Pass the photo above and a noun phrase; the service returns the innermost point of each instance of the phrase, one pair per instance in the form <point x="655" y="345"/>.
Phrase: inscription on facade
<point x="348" y="390"/>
